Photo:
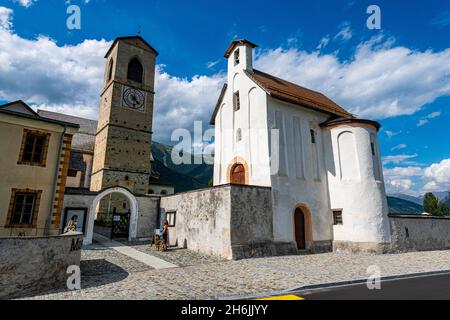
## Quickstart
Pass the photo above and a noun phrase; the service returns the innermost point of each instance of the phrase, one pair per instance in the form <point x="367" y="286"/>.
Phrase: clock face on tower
<point x="133" y="99"/>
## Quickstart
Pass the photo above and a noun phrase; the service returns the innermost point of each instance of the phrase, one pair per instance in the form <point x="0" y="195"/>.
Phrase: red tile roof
<point x="287" y="91"/>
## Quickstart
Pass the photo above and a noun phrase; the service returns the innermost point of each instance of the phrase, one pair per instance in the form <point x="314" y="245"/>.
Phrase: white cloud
<point x="25" y="3"/>
<point x="68" y="79"/>
<point x="427" y="119"/>
<point x="399" y="159"/>
<point x="380" y="81"/>
<point x="399" y="147"/>
<point x="345" y="33"/>
<point x="5" y="18"/>
<point x="179" y="101"/>
<point x="392" y="134"/>
<point x="323" y="42"/>
<point x="399" y="179"/>
<point x="438" y="176"/>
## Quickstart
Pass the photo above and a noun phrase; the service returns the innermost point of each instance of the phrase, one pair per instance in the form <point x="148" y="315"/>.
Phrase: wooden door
<point x="300" y="236"/>
<point x="238" y="174"/>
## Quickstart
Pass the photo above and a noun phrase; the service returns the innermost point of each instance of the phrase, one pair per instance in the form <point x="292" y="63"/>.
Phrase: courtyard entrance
<point x="113" y="214"/>
<point x="112" y="219"/>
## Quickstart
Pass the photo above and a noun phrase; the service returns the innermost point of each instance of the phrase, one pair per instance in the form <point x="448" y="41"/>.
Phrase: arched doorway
<point x="238" y="174"/>
<point x="133" y="208"/>
<point x="300" y="229"/>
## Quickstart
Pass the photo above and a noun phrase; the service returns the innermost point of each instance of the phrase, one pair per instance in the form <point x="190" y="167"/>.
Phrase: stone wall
<point x="233" y="222"/>
<point x="30" y="265"/>
<point x="419" y="233"/>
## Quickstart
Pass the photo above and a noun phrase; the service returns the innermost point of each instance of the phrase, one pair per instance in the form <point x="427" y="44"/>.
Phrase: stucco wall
<point x="356" y="188"/>
<point x="202" y="220"/>
<point x="30" y="265"/>
<point x="419" y="233"/>
<point x="36" y="178"/>
<point x="209" y="222"/>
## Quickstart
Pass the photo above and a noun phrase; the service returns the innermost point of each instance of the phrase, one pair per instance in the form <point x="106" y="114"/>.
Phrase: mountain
<point x="416" y="200"/>
<point x="401" y="206"/>
<point x="183" y="177"/>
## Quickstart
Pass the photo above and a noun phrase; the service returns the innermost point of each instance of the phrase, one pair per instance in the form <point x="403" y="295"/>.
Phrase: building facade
<point x="34" y="165"/>
<point x="322" y="163"/>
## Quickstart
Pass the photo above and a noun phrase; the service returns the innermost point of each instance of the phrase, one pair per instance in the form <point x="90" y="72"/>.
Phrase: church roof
<point x="219" y="102"/>
<point x="131" y="38"/>
<point x="290" y="92"/>
<point x="234" y="43"/>
<point x="84" y="139"/>
<point x="343" y="121"/>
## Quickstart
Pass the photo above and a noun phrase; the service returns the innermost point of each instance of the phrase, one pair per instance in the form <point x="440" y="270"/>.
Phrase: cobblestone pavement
<point x="180" y="257"/>
<point x="248" y="277"/>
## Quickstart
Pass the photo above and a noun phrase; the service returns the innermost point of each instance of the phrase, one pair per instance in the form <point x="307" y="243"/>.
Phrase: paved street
<point x="110" y="274"/>
<point x="435" y="287"/>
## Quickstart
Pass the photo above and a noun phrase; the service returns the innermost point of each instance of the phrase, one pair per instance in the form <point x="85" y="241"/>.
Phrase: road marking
<point x="145" y="258"/>
<point x="289" y="297"/>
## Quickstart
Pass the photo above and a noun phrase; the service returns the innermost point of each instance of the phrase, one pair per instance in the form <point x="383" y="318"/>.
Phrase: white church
<point x="293" y="172"/>
<point x="322" y="164"/>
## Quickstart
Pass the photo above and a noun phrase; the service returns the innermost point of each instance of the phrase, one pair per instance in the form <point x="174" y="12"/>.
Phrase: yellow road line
<point x="289" y="297"/>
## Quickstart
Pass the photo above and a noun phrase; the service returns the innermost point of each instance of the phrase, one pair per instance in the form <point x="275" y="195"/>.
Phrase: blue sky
<point x="399" y="75"/>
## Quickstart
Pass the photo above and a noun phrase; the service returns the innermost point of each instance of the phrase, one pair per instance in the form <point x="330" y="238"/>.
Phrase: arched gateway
<point x="133" y="211"/>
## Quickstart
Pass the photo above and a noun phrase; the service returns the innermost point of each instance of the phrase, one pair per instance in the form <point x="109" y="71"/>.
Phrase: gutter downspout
<point x="48" y="221"/>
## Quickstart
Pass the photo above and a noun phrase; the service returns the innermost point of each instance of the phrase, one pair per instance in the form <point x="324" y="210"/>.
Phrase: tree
<point x="442" y="209"/>
<point x="430" y="204"/>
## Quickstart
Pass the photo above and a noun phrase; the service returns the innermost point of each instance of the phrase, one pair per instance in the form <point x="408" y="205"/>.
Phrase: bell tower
<point x="122" y="155"/>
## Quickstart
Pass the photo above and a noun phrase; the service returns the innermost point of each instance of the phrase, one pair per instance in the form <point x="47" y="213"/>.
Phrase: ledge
<point x="417" y="216"/>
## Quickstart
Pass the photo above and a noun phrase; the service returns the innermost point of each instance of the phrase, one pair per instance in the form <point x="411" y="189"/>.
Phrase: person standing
<point x="165" y="232"/>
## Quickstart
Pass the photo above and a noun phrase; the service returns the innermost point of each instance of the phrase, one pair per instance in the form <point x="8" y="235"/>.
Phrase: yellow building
<point x="33" y="171"/>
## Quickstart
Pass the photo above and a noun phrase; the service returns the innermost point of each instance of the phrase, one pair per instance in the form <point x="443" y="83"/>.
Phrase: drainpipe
<point x="48" y="222"/>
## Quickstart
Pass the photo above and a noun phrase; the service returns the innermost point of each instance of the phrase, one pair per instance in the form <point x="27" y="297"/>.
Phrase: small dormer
<point x="240" y="55"/>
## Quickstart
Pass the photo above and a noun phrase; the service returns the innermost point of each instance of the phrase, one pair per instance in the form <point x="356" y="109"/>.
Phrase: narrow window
<point x="237" y="101"/>
<point x="237" y="58"/>
<point x="372" y="146"/>
<point x="239" y="135"/>
<point x="337" y="218"/>
<point x="171" y="218"/>
<point x="135" y="70"/>
<point x="313" y="136"/>
<point x="110" y="70"/>
<point x="23" y="209"/>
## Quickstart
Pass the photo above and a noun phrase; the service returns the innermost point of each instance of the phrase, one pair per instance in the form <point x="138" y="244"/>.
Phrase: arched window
<point x="135" y="70"/>
<point x="110" y="69"/>
<point x="163" y="192"/>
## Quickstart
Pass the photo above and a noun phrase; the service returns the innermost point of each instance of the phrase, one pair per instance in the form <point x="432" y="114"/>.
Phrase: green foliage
<point x="432" y="205"/>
